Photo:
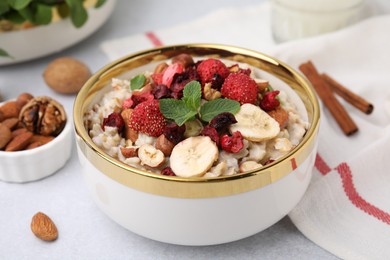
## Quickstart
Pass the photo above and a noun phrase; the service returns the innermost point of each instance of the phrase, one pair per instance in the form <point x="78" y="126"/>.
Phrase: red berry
<point x="170" y="72"/>
<point x="167" y="171"/>
<point x="114" y="120"/>
<point x="240" y="87"/>
<point x="174" y="132"/>
<point x="208" y="68"/>
<point x="232" y="144"/>
<point x="211" y="132"/>
<point x="147" y="118"/>
<point x="269" y="101"/>
<point x="222" y="121"/>
<point x="157" y="78"/>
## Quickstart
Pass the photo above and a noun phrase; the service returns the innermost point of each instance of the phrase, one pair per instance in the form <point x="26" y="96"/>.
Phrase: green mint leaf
<point x="176" y="110"/>
<point x="14" y="17"/>
<point x="215" y="107"/>
<point x="137" y="82"/>
<point x="4" y="7"/>
<point x="192" y="94"/>
<point x="99" y="3"/>
<point x="43" y="14"/>
<point x="3" y="53"/>
<point x="18" y="4"/>
<point x="78" y="14"/>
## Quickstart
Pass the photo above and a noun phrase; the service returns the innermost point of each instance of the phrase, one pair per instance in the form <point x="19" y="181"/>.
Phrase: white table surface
<point x="84" y="231"/>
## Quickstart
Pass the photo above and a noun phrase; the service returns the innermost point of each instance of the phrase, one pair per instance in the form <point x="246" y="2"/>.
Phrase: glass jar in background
<point x="295" y="19"/>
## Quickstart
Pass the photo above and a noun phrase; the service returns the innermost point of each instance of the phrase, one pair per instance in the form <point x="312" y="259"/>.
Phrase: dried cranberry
<point x="114" y="120"/>
<point x="180" y="80"/>
<point x="167" y="171"/>
<point x="211" y="132"/>
<point x="232" y="144"/>
<point x="217" y="81"/>
<point x="161" y="91"/>
<point x="269" y="101"/>
<point x="174" y="133"/>
<point x="269" y="161"/>
<point x="222" y="121"/>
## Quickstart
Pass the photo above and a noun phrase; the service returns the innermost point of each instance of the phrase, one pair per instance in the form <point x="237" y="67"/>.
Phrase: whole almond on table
<point x="43" y="227"/>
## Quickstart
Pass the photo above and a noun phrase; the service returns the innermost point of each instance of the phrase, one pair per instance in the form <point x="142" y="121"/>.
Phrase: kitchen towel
<point x="346" y="209"/>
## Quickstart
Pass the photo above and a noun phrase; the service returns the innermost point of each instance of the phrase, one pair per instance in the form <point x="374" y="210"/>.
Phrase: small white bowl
<point x="37" y="163"/>
<point x="40" y="41"/>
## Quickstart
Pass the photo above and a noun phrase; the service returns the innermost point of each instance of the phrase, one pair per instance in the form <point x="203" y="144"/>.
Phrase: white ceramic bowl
<point x="196" y="211"/>
<point x="37" y="163"/>
<point x="39" y="41"/>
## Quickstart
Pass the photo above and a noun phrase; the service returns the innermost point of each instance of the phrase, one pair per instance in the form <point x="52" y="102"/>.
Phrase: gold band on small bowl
<point x="178" y="187"/>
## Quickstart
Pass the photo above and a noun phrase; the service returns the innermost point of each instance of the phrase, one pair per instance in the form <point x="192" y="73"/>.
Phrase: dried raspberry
<point x="167" y="171"/>
<point x="269" y="101"/>
<point x="240" y="87"/>
<point x="222" y="121"/>
<point x="138" y="98"/>
<point x="208" y="68"/>
<point x="232" y="144"/>
<point x="114" y="120"/>
<point x="211" y="132"/>
<point x="147" y="118"/>
<point x="161" y="91"/>
<point x="174" y="133"/>
<point x="170" y="72"/>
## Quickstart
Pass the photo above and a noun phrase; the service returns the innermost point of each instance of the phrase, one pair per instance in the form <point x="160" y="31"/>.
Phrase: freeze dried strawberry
<point x="211" y="132"/>
<point x="232" y="144"/>
<point x="114" y="120"/>
<point x="147" y="118"/>
<point x="208" y="68"/>
<point x="269" y="101"/>
<point x="170" y="72"/>
<point x="240" y="87"/>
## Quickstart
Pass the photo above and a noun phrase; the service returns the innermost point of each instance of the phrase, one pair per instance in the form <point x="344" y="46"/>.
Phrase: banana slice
<point x="194" y="156"/>
<point x="255" y="124"/>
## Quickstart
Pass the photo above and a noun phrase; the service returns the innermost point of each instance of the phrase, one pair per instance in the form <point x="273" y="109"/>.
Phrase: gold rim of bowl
<point x="173" y="186"/>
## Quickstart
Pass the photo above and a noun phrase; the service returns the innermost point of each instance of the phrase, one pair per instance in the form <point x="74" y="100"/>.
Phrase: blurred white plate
<point x="44" y="40"/>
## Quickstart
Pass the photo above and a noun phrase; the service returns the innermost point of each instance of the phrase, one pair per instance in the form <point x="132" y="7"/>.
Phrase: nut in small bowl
<point x="185" y="205"/>
<point x="35" y="138"/>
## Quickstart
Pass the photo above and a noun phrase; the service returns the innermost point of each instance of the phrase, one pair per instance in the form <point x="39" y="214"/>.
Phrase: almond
<point x="23" y="99"/>
<point x="5" y="136"/>
<point x="19" y="142"/>
<point x="34" y="145"/>
<point x="11" y="123"/>
<point x="43" y="227"/>
<point x="10" y="109"/>
<point x="41" y="139"/>
<point x="164" y="145"/>
<point x="128" y="152"/>
<point x="129" y="133"/>
<point x="18" y="131"/>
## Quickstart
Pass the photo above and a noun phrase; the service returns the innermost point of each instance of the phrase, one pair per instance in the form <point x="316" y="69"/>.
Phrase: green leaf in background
<point x="137" y="82"/>
<point x="3" y="53"/>
<point x="14" y="17"/>
<point x="192" y="94"/>
<point x="18" y="4"/>
<point x="78" y="14"/>
<point x="43" y="14"/>
<point x="3" y="7"/>
<point x="63" y="10"/>
<point x="176" y="110"/>
<point x="99" y="3"/>
<point x="214" y="107"/>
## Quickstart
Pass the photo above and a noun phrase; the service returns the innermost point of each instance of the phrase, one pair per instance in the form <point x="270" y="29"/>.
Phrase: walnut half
<point x="43" y="115"/>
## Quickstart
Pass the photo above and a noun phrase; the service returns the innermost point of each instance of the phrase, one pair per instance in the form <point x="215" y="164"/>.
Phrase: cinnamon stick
<point x="323" y="90"/>
<point x="352" y="98"/>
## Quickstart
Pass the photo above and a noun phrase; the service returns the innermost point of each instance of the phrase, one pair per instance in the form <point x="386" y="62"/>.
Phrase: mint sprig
<point x="137" y="82"/>
<point x="190" y="106"/>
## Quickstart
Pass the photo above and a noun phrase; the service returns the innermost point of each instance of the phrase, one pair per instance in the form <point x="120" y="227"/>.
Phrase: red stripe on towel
<point x="356" y="199"/>
<point x="154" y="39"/>
<point x="321" y="165"/>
